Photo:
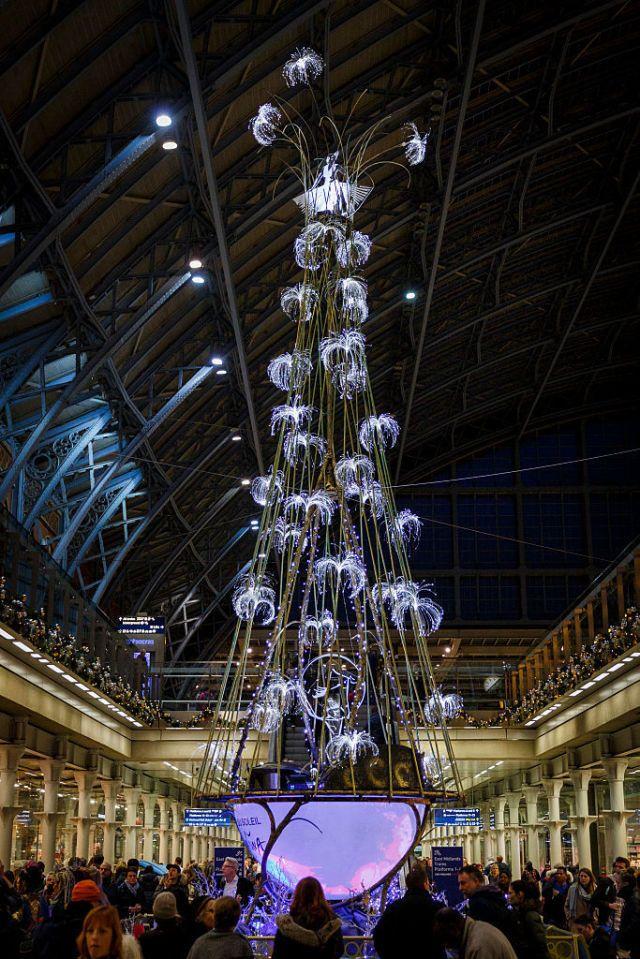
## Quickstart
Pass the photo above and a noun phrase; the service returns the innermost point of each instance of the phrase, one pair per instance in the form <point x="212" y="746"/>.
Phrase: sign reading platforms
<point x="446" y="863"/>
<point x="467" y="816"/>
<point x="208" y="817"/>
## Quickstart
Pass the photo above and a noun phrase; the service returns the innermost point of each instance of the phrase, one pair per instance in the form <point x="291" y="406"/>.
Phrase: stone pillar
<point x="85" y="781"/>
<point x="149" y="802"/>
<point x="498" y="809"/>
<point x="513" y="801"/>
<point x="110" y="789"/>
<point x="10" y="756"/>
<point x="176" y="849"/>
<point x="581" y="821"/>
<point x="553" y="788"/>
<point x="187" y="854"/>
<point x="616" y="816"/>
<point x="163" y="854"/>
<point x="52" y="770"/>
<point x="531" y="794"/>
<point x="131" y="798"/>
<point x="488" y="835"/>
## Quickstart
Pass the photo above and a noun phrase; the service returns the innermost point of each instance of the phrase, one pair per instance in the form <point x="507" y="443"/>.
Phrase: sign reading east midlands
<point x="446" y="862"/>
<point x="221" y="853"/>
<point x="208" y="817"/>
<point x="468" y="816"/>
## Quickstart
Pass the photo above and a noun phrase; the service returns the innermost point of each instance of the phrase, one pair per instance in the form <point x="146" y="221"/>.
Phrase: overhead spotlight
<point x="197" y="278"/>
<point x="216" y="361"/>
<point x="221" y="372"/>
<point x="163" y="120"/>
<point x="447" y="649"/>
<point x="195" y="263"/>
<point x="169" y="145"/>
<point x="236" y="438"/>
<point x="410" y="294"/>
<point x="246" y="482"/>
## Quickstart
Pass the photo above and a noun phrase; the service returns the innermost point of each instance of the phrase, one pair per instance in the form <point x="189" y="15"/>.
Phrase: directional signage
<point x="446" y="862"/>
<point x="466" y="816"/>
<point x="208" y="817"/>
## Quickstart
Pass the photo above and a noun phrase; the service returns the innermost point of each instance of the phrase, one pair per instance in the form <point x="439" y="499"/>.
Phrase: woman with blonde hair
<point x="579" y="902"/>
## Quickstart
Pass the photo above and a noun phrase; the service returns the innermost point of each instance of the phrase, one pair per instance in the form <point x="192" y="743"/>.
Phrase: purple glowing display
<point x="349" y="846"/>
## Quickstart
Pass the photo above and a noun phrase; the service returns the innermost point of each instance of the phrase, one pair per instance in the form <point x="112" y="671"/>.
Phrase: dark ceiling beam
<point x="218" y="221"/>
<point x="444" y="212"/>
<point x="491" y="170"/>
<point x="39" y="31"/>
<point x="593" y="274"/>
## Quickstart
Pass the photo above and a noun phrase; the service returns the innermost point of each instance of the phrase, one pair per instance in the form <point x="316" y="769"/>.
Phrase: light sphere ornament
<point x="382" y="430"/>
<point x="299" y="301"/>
<point x="289" y="371"/>
<point x="303" y="66"/>
<point x="255" y="599"/>
<point x="267" y="489"/>
<point x="353" y="250"/>
<point x="441" y="705"/>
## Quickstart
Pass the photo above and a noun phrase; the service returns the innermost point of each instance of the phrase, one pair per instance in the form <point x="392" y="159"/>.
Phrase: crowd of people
<point x="94" y="911"/>
<point x="505" y="918"/>
<point x="568" y="675"/>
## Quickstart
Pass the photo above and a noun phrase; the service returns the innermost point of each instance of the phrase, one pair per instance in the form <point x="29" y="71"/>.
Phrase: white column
<point x="489" y="852"/>
<point x="110" y="789"/>
<point x="52" y="770"/>
<point x="553" y="788"/>
<point x="513" y="801"/>
<point x="176" y="849"/>
<point x="616" y="816"/>
<point x="581" y="821"/>
<point x="163" y="853"/>
<point x="132" y="798"/>
<point x="85" y="781"/>
<point x="531" y="794"/>
<point x="149" y="802"/>
<point x="10" y="756"/>
<point x="498" y="810"/>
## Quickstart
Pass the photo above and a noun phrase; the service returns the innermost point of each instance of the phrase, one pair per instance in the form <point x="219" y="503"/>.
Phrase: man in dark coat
<point x="168" y="938"/>
<point x="172" y="883"/>
<point x="130" y="897"/>
<point x="408" y="920"/>
<point x="554" y="896"/>
<point x="485" y="902"/>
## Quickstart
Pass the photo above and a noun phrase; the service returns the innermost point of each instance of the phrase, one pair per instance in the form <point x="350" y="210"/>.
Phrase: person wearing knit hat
<point x="86" y="891"/>
<point x="58" y="935"/>
<point x="167" y="939"/>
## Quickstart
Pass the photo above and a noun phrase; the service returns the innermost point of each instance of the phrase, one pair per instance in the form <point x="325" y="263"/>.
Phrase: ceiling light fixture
<point x="410" y="294"/>
<point x="169" y="145"/>
<point x="221" y="372"/>
<point x="197" y="278"/>
<point x="216" y="361"/>
<point x="195" y="263"/>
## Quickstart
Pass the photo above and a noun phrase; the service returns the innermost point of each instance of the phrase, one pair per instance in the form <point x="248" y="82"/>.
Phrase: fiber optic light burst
<point x="290" y="370"/>
<point x="340" y="588"/>
<point x="382" y="431"/>
<point x="303" y="66"/>
<point x="264" y="125"/>
<point x="415" y="144"/>
<point x="267" y="489"/>
<point x="299" y="301"/>
<point x="350" y="746"/>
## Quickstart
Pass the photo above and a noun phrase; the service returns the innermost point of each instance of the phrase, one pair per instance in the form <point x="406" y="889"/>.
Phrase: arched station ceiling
<point x="519" y="233"/>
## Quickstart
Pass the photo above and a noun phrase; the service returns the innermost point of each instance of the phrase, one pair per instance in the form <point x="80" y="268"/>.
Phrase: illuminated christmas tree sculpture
<point x="330" y="589"/>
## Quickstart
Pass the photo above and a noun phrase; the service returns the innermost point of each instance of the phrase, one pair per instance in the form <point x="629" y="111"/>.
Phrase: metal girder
<point x="99" y="422"/>
<point x="624" y="206"/>
<point x="37" y="355"/>
<point x="109" y="511"/>
<point x="219" y="597"/>
<point x="145" y="433"/>
<point x="444" y="212"/>
<point x="155" y="511"/>
<point x="88" y="372"/>
<point x="216" y="212"/>
<point x="162" y="572"/>
<point x="188" y="596"/>
<point x="74" y="208"/>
